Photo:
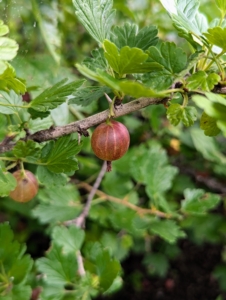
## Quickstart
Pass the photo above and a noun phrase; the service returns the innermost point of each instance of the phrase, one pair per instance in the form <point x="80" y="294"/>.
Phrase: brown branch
<point x="93" y="120"/>
<point x="6" y="143"/>
<point x="218" y="89"/>
<point x="83" y="125"/>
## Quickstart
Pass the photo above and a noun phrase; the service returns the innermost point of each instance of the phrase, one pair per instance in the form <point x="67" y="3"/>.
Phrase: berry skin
<point x="27" y="186"/>
<point x="110" y="140"/>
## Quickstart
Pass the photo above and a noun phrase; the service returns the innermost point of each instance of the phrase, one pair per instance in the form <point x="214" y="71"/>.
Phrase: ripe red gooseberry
<point x="110" y="140"/>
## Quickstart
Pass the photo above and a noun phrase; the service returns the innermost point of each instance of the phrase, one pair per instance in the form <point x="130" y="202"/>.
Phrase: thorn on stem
<point x="108" y="98"/>
<point x="83" y="131"/>
<point x="7" y="139"/>
<point x="118" y="102"/>
<point x="165" y="102"/>
<point x="79" y="138"/>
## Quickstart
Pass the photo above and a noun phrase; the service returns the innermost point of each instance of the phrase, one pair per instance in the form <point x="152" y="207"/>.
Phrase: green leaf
<point x="115" y="287"/>
<point x="123" y="183"/>
<point x="3" y="67"/>
<point x="52" y="292"/>
<point x="209" y="125"/>
<point x="143" y="222"/>
<point x="167" y="229"/>
<point x="214" y="106"/>
<point x="207" y="146"/>
<point x="203" y="80"/>
<point x="217" y="36"/>
<point x="156" y="264"/>
<point x="216" y="21"/>
<point x="4" y="29"/>
<point x="221" y="5"/>
<point x="198" y="202"/>
<point x="159" y="179"/>
<point x="164" y="79"/>
<point x="14" y="264"/>
<point x="9" y="102"/>
<point x="187" y="20"/>
<point x="29" y="148"/>
<point x="69" y="239"/>
<point x="58" y="267"/>
<point x="9" y="81"/>
<point x="35" y="125"/>
<point x="177" y="113"/>
<point x="100" y="76"/>
<point x="189" y="115"/>
<point x="20" y="269"/>
<point x="119" y="247"/>
<point x="128" y="60"/>
<point x="7" y="183"/>
<point x="58" y="204"/>
<point x="189" y="17"/>
<point x="59" y="156"/>
<point x="193" y="59"/>
<point x="220" y="274"/>
<point x="173" y="61"/>
<point x="205" y="228"/>
<point x="129" y="35"/>
<point x="174" y="113"/>
<point x="188" y="8"/>
<point x="2" y="173"/>
<point x="49" y="178"/>
<point x="107" y="268"/>
<point x="38" y="114"/>
<point x="3" y="126"/>
<point x="55" y="95"/>
<point x="96" y="16"/>
<point x="150" y="167"/>
<point x="123" y="219"/>
<point x="85" y="96"/>
<point x="169" y="56"/>
<point x="47" y="20"/>
<point x="18" y="292"/>
<point x="157" y="80"/>
<point x="124" y="8"/>
<point x="136" y="90"/>
<point x="8" y="48"/>
<point x="97" y="61"/>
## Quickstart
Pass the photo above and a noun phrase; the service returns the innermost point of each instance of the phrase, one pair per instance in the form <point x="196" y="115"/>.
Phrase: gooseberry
<point x="110" y="141"/>
<point x="27" y="186"/>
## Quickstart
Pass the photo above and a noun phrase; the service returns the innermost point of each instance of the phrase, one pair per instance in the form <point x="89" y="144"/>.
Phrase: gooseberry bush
<point x="70" y="66"/>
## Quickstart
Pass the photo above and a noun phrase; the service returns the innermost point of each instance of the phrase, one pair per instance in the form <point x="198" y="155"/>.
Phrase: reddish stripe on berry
<point x="110" y="140"/>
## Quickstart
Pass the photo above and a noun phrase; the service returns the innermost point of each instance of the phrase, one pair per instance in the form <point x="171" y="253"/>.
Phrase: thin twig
<point x="80" y="220"/>
<point x="139" y="210"/>
<point x="208" y="180"/>
<point x="81" y="269"/>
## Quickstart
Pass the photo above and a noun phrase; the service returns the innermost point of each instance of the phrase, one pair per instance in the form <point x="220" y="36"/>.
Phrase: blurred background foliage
<point x="51" y="41"/>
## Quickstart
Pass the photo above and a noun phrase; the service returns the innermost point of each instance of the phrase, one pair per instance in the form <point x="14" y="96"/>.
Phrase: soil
<point x="189" y="277"/>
